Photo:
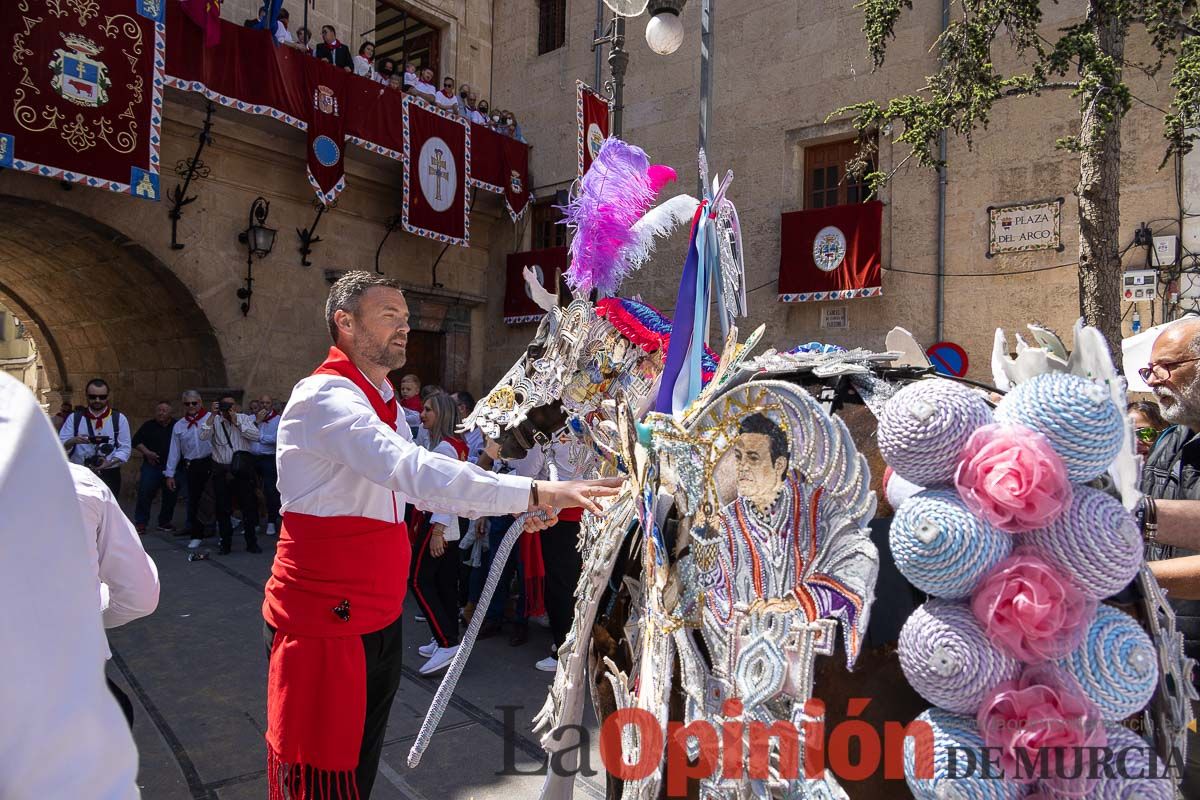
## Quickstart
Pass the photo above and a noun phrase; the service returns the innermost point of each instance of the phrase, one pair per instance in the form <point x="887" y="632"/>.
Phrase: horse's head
<point x="581" y="357"/>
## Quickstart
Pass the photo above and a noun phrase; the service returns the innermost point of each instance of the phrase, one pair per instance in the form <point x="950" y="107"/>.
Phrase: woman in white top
<point x="435" y="563"/>
<point x="362" y="61"/>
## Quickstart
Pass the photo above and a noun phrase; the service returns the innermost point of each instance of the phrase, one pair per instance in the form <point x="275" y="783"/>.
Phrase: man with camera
<point x="230" y="434"/>
<point x="267" y="421"/>
<point x="98" y="437"/>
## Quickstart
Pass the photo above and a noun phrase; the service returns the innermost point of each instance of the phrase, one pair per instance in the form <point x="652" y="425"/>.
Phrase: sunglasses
<point x="191" y="402"/>
<point x="1162" y="370"/>
<point x="97" y="397"/>
<point x="1147" y="435"/>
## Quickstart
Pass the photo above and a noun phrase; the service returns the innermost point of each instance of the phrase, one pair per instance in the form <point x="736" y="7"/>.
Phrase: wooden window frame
<point x="552" y="25"/>
<point x="825" y="183"/>
<point x="545" y="228"/>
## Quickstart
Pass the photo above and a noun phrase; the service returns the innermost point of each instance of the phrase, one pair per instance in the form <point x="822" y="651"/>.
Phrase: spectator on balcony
<point x="500" y="123"/>
<point x="282" y="34"/>
<point x="364" y="59"/>
<point x="473" y="110"/>
<point x="463" y="91"/>
<point x="485" y="113"/>
<point x="516" y="128"/>
<point x="384" y="69"/>
<point x="303" y="40"/>
<point x="410" y="73"/>
<point x="333" y="51"/>
<point x="396" y="82"/>
<point x="424" y="87"/>
<point x="258" y="21"/>
<point x="445" y="98"/>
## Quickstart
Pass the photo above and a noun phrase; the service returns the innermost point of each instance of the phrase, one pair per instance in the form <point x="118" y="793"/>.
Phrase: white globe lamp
<point x="664" y="32"/>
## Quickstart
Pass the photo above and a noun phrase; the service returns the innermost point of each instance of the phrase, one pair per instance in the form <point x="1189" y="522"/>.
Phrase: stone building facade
<point x="93" y="277"/>
<point x="781" y="68"/>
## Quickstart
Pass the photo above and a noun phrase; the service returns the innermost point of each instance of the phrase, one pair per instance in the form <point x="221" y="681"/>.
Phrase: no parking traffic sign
<point x="948" y="359"/>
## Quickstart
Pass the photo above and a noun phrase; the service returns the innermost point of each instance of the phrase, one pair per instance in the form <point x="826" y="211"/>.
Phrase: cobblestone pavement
<point x="196" y="671"/>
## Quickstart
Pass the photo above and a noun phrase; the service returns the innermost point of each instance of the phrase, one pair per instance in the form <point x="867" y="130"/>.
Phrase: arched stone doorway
<point x="98" y="304"/>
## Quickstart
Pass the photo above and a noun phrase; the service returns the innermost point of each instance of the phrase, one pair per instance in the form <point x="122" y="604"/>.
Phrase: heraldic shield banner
<point x="82" y="86"/>
<point x="830" y="253"/>
<point x="592" y="117"/>
<point x="437" y="157"/>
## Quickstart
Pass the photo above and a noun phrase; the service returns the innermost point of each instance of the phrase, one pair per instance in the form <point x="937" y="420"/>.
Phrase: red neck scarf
<point x="333" y="580"/>
<point x="98" y="419"/>
<point x="193" y="421"/>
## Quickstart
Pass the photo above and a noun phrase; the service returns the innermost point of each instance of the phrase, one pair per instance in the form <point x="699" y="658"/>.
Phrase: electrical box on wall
<point x="1139" y="285"/>
<point x="1164" y="251"/>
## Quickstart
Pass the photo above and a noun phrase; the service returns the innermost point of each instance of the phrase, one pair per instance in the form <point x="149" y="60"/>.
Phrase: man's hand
<point x="555" y="495"/>
<point x="437" y="541"/>
<point x="108" y="463"/>
<point x="262" y="414"/>
<point x="537" y="523"/>
<point x="171" y="484"/>
<point x="74" y="440"/>
<point x="152" y="458"/>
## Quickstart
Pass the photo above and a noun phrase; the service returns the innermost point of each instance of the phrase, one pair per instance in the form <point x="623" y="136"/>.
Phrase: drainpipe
<point x="940" y="302"/>
<point x="598" y="77"/>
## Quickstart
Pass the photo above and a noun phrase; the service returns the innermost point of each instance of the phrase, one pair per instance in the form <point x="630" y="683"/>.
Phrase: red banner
<point x="591" y="113"/>
<point x="248" y="73"/>
<point x="830" y="253"/>
<point x="437" y="158"/>
<point x="547" y="264"/>
<point x="500" y="164"/>
<point x="325" y="90"/>
<point x="82" y="92"/>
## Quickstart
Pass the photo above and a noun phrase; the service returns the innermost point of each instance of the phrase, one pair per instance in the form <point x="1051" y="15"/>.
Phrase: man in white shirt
<point x="424" y="86"/>
<point x="267" y="421"/>
<point x="282" y="34"/>
<point x="230" y="435"/>
<point x="61" y="732"/>
<point x="190" y="458"/>
<point x="334" y="600"/>
<point x="98" y="437"/>
<point x="445" y="98"/>
<point x="126" y="578"/>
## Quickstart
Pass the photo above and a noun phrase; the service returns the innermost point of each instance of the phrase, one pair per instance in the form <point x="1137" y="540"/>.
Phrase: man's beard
<point x="1186" y="408"/>
<point x="378" y="353"/>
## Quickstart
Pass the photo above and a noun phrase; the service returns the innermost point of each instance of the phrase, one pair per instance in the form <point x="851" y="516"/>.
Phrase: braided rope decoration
<point x="1138" y="756"/>
<point x="1095" y="542"/>
<point x="952" y="734"/>
<point x="948" y="659"/>
<point x="923" y="428"/>
<point x="437" y="708"/>
<point x="941" y="547"/>
<point x="1079" y="418"/>
<point x="1116" y="666"/>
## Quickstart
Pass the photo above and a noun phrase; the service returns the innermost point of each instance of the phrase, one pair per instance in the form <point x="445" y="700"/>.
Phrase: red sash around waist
<point x="334" y="579"/>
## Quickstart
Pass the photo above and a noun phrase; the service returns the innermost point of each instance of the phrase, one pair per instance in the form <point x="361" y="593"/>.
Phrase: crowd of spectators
<point x="408" y="77"/>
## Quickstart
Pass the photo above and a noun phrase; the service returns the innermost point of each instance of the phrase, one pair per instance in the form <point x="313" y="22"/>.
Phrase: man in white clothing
<point x="190" y="458"/>
<point x="334" y="600"/>
<point x="230" y="435"/>
<point x="98" y="437"/>
<point x="267" y="420"/>
<point x="126" y="578"/>
<point x="282" y="34"/>
<point x="61" y="732"/>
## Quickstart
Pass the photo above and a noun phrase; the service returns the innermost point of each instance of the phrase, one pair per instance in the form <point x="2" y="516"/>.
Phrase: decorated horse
<point x="731" y="584"/>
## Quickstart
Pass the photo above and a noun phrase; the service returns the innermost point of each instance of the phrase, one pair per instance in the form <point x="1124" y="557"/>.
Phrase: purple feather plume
<point x="617" y="190"/>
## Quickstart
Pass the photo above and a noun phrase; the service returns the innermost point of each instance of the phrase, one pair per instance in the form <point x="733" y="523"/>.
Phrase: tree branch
<point x="1018" y="91"/>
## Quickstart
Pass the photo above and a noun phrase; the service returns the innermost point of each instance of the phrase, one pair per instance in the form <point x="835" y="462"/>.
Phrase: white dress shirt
<point x="362" y="66"/>
<point x="477" y="118"/>
<point x="282" y="34"/>
<point x="443" y="101"/>
<point x="186" y="444"/>
<point x="62" y="733"/>
<point x="337" y="458"/>
<point x="81" y="452"/>
<point x="227" y="439"/>
<point x="267" y="431"/>
<point x="423" y="88"/>
<point x="126" y="578"/>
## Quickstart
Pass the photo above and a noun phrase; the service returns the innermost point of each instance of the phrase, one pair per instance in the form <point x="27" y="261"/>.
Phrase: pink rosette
<point x="1042" y="710"/>
<point x="1031" y="611"/>
<point x="1011" y="476"/>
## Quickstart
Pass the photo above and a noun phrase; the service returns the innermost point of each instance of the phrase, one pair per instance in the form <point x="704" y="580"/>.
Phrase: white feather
<point x="544" y="299"/>
<point x="659" y="221"/>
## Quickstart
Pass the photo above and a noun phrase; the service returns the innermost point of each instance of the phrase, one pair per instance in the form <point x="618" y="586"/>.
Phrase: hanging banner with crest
<point x="82" y="90"/>
<point x="437" y="159"/>
<point x="324" y="94"/>
<point x="592" y="113"/>
<point x="831" y="253"/>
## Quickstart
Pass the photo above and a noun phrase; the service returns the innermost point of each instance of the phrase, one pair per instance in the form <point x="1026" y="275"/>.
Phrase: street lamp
<point x="259" y="239"/>
<point x="664" y="31"/>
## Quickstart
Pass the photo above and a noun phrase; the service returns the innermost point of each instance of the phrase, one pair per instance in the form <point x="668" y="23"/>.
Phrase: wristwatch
<point x="1147" y="517"/>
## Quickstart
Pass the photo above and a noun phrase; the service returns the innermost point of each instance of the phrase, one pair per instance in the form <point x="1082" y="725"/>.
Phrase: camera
<point x="225" y="406"/>
<point x="104" y="449"/>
